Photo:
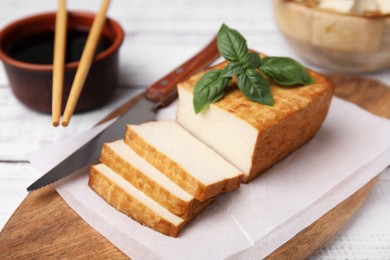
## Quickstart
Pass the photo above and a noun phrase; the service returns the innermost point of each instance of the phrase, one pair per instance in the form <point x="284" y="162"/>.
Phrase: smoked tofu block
<point x="146" y="178"/>
<point x="126" y="198"/>
<point x="182" y="158"/>
<point x="252" y="136"/>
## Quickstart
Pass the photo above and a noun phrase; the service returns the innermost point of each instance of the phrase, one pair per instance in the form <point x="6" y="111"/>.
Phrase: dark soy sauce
<point x="38" y="48"/>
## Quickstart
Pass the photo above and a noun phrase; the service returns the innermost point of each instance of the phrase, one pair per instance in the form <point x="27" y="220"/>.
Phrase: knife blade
<point x="157" y="95"/>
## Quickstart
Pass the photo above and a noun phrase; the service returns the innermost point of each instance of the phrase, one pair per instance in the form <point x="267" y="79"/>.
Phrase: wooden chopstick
<point x="59" y="61"/>
<point x="85" y="62"/>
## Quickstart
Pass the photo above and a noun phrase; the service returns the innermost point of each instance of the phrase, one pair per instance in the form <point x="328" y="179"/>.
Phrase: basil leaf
<point x="285" y="71"/>
<point x="253" y="60"/>
<point x="232" y="69"/>
<point x="209" y="89"/>
<point x="249" y="69"/>
<point x="231" y="44"/>
<point x="255" y="87"/>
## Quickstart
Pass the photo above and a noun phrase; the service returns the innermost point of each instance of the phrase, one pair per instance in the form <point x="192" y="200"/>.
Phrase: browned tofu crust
<point x="124" y="202"/>
<point x="175" y="172"/>
<point x="142" y="182"/>
<point x="296" y="116"/>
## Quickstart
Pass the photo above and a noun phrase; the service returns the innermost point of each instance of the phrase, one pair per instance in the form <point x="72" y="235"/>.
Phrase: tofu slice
<point x="126" y="198"/>
<point x="146" y="178"/>
<point x="384" y="6"/>
<point x="365" y="6"/>
<point x="252" y="136"/>
<point x="182" y="158"/>
<point x="341" y="6"/>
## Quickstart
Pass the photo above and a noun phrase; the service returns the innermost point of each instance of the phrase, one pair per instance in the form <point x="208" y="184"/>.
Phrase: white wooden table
<point x="160" y="35"/>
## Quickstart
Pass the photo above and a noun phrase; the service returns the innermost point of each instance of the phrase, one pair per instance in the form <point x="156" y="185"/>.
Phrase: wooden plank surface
<point x="159" y="36"/>
<point x="44" y="226"/>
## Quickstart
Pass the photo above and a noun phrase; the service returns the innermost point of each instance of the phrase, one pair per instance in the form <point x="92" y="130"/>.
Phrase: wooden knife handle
<point x="165" y="91"/>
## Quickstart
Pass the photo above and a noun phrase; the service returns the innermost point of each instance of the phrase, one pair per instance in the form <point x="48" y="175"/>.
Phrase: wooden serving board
<point x="44" y="226"/>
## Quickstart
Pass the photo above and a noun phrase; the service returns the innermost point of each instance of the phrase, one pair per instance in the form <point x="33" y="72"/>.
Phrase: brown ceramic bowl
<point x="32" y="82"/>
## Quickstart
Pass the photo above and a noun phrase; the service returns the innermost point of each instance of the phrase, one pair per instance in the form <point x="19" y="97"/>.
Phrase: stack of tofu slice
<point x="164" y="173"/>
<point x="161" y="176"/>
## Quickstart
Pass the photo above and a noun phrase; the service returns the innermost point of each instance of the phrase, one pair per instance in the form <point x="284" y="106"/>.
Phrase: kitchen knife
<point x="157" y="95"/>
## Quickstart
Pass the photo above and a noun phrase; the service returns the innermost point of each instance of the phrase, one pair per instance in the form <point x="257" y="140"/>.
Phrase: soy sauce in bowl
<point x="39" y="48"/>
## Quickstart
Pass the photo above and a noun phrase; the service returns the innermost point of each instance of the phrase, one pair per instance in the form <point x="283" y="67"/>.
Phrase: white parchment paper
<point x="351" y="148"/>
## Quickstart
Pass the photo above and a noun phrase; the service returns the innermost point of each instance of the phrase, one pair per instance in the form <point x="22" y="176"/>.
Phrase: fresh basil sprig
<point x="255" y="87"/>
<point x="249" y="68"/>
<point x="231" y="44"/>
<point x="285" y="71"/>
<point x="210" y="89"/>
